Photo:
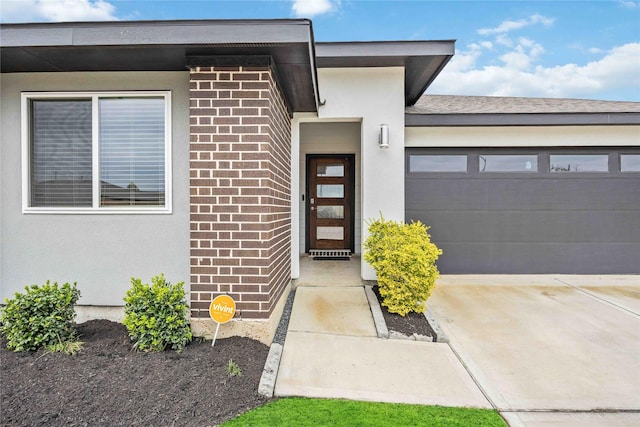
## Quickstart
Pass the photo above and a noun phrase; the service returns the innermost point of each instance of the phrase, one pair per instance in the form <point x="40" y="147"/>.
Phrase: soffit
<point x="164" y="46"/>
<point x="422" y="60"/>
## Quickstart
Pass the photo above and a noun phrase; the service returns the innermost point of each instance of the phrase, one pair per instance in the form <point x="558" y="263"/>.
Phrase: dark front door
<point x="330" y="201"/>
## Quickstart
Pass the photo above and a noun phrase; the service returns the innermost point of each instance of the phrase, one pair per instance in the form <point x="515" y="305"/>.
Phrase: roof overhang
<point x="167" y="46"/>
<point x="521" y="119"/>
<point x="422" y="60"/>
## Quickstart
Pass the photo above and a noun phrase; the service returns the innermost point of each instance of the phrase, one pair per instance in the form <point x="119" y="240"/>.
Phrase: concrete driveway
<point x="538" y="346"/>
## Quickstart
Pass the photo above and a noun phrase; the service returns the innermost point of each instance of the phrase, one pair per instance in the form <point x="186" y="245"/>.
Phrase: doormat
<point x="331" y="258"/>
<point x="330" y="253"/>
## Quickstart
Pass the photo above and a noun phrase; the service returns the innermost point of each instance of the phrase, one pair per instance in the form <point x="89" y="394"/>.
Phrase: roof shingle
<point x="454" y="104"/>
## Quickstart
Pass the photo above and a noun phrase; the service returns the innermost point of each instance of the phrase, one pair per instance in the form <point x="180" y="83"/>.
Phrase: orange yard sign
<point x="221" y="310"/>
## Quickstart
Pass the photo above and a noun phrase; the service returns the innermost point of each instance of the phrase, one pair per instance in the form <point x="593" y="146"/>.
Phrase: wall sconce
<point x="383" y="138"/>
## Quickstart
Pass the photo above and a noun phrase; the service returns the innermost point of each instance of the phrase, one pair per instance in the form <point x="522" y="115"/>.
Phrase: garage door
<point x="532" y="211"/>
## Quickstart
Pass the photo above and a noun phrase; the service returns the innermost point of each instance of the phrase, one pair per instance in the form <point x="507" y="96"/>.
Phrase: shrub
<point x="156" y="315"/>
<point x="41" y="316"/>
<point x="404" y="259"/>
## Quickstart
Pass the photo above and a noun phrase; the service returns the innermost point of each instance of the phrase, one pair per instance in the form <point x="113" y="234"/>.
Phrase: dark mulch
<point x="108" y="384"/>
<point x="412" y="323"/>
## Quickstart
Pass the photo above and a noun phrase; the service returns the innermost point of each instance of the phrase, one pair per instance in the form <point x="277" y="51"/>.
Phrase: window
<point x="438" y="163"/>
<point x="579" y="162"/>
<point x="508" y="163"/>
<point x="96" y="152"/>
<point x="630" y="162"/>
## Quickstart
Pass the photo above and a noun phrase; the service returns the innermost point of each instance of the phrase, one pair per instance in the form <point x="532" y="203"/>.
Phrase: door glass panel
<point x="630" y="162"/>
<point x="330" y="212"/>
<point x="508" y="163"/>
<point x="579" y="163"/>
<point x="330" y="191"/>
<point x="330" y="170"/>
<point x="330" y="233"/>
<point x="437" y="163"/>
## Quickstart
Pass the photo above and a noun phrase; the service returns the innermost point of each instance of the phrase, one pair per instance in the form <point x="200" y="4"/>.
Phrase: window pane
<point x="330" y="170"/>
<point x="508" y="163"/>
<point x="330" y="212"/>
<point x="630" y="162"/>
<point x="579" y="163"/>
<point x="438" y="163"/>
<point x="330" y="233"/>
<point x="61" y="153"/>
<point x="330" y="191"/>
<point x="132" y="154"/>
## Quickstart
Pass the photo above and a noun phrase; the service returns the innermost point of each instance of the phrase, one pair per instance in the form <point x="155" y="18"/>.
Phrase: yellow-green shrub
<point x="404" y="259"/>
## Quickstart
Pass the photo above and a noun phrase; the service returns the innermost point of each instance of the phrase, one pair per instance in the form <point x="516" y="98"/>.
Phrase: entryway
<point x="330" y="205"/>
<point x="329" y="273"/>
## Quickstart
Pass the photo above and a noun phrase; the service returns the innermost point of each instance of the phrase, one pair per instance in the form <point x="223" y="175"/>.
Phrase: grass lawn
<point x="332" y="412"/>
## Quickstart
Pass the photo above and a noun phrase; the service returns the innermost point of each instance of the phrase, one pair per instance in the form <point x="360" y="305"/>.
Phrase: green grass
<point x="330" y="412"/>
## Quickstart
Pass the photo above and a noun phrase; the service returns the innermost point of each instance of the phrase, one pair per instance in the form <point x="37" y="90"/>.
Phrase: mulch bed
<point x="412" y="323"/>
<point x="108" y="384"/>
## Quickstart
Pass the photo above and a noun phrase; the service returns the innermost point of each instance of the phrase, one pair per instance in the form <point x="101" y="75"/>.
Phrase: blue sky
<point x="572" y="49"/>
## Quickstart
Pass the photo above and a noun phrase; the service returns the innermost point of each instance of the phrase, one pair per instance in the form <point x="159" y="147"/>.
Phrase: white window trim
<point x="96" y="208"/>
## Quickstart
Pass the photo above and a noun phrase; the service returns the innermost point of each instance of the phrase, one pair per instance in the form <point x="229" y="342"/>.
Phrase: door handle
<point x="313" y="208"/>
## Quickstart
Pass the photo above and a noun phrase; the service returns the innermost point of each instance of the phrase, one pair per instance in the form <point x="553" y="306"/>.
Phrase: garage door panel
<point x="530" y="222"/>
<point x="539" y="258"/>
<point x="531" y="226"/>
<point x="522" y="193"/>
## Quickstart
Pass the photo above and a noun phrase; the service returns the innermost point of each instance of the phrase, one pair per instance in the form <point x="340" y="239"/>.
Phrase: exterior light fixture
<point x="383" y="138"/>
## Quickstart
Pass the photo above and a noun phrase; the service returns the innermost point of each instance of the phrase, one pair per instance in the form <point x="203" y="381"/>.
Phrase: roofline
<point x="521" y="119"/>
<point x="140" y="33"/>
<point x="386" y="48"/>
<point x="422" y="59"/>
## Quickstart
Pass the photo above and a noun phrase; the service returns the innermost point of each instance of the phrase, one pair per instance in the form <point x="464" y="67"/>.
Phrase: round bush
<point x="42" y="315"/>
<point x="156" y="315"/>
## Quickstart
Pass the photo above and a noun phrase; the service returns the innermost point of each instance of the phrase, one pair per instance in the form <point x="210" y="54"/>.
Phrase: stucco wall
<point x="99" y="251"/>
<point x="371" y="96"/>
<point x="522" y="136"/>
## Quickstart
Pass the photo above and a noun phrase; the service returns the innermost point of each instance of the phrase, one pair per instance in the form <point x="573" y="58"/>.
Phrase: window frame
<point x="95" y="208"/>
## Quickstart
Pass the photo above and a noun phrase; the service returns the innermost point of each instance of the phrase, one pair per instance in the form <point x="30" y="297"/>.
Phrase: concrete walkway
<point x="332" y="351"/>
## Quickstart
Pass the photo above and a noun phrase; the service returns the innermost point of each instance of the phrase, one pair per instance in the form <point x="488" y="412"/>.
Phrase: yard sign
<point x="221" y="310"/>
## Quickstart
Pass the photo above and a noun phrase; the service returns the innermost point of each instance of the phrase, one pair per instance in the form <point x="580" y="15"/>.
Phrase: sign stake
<point x="213" y="342"/>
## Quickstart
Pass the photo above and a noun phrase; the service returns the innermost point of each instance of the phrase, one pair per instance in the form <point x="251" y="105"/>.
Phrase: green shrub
<point x="404" y="259"/>
<point x="156" y="315"/>
<point x="41" y="316"/>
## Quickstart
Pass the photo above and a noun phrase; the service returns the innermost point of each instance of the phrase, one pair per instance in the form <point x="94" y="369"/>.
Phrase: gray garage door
<point x="530" y="211"/>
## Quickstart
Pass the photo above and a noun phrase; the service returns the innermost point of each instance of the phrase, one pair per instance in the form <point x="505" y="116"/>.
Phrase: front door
<point x="330" y="202"/>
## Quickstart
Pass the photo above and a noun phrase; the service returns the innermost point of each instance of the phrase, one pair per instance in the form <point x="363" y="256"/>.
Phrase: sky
<point x="547" y="49"/>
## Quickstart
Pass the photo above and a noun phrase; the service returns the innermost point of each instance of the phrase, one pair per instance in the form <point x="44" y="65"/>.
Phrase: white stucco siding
<point x="522" y="136"/>
<point x="372" y="96"/>
<point x="99" y="251"/>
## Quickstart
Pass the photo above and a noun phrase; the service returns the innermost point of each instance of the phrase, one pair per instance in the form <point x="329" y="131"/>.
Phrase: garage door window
<point x="579" y="163"/>
<point x="630" y="162"/>
<point x="508" y="163"/>
<point x="438" y="163"/>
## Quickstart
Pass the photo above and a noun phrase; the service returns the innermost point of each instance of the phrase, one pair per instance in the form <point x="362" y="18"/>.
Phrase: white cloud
<point x="628" y="4"/>
<point x="507" y="26"/>
<point x="56" y="10"/>
<point x="311" y="8"/>
<point x="617" y="70"/>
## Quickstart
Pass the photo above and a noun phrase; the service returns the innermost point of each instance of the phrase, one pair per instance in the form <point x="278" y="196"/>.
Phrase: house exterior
<point x="220" y="152"/>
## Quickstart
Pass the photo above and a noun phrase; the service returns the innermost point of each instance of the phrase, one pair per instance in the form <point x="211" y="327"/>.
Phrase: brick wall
<point x="240" y="189"/>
